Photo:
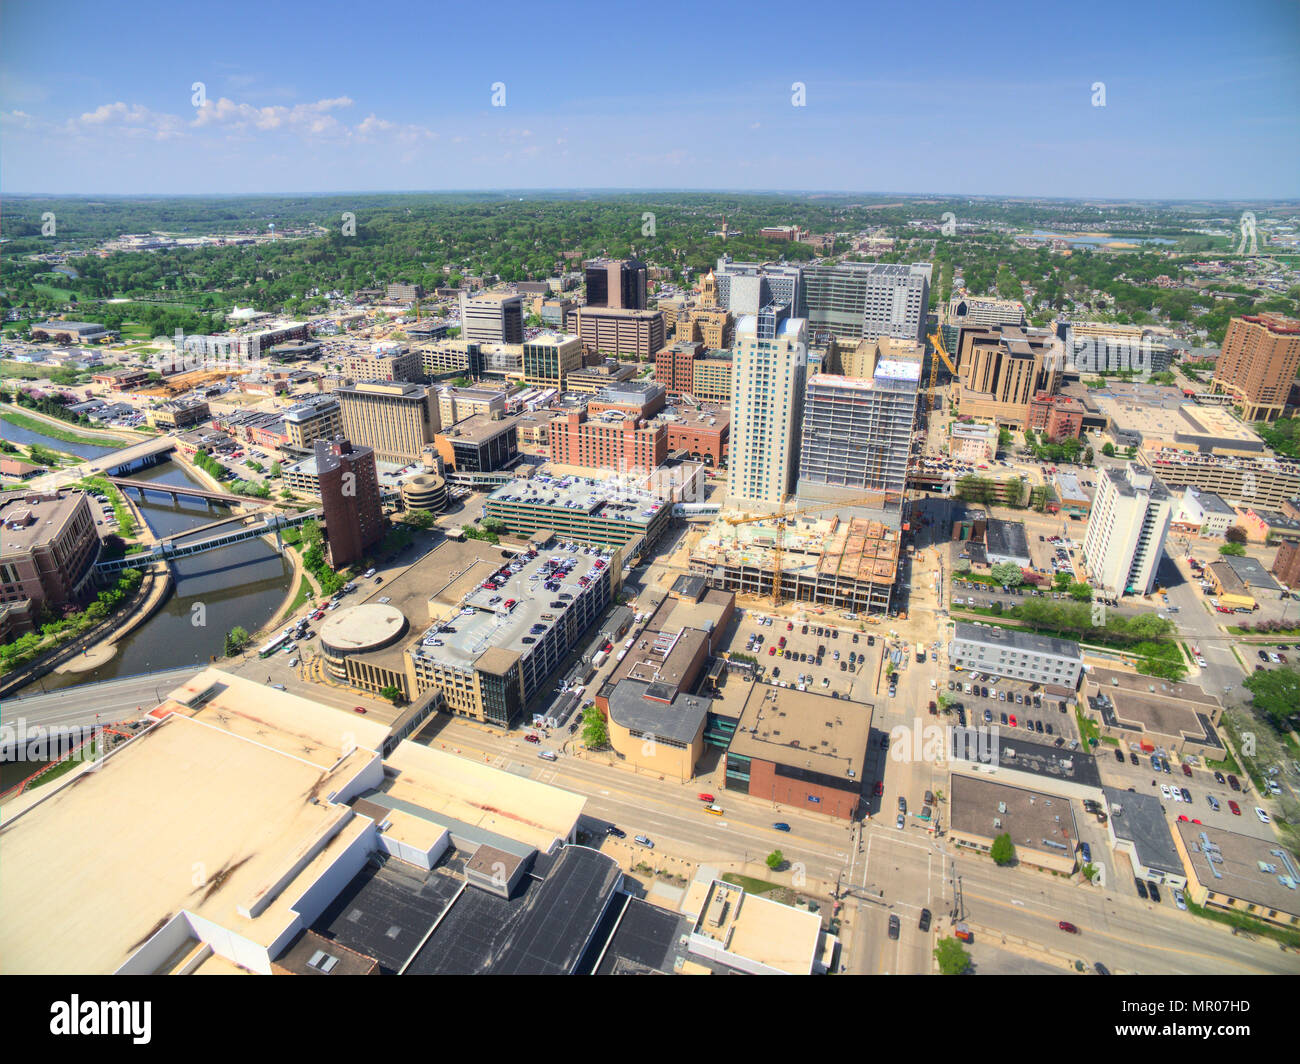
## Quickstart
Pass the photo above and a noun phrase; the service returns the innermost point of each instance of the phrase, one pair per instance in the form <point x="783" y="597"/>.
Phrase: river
<point x="236" y="585"/>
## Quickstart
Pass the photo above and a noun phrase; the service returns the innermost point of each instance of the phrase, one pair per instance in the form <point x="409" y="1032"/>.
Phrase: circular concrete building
<point x="359" y="630"/>
<point x="425" y="491"/>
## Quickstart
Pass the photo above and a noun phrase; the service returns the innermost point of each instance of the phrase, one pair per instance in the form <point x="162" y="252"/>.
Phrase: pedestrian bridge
<point x="169" y="549"/>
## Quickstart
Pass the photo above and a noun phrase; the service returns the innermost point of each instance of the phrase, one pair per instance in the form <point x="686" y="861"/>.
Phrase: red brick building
<point x="349" y="494"/>
<point x="1286" y="566"/>
<point x="614" y="440"/>
<point x="704" y="434"/>
<point x="1059" y="417"/>
<point x="675" y="366"/>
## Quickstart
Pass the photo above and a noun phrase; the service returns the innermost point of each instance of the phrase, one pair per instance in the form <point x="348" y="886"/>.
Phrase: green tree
<point x="1003" y="850"/>
<point x="236" y="640"/>
<point x="1236" y="534"/>
<point x="1008" y="574"/>
<point x="1108" y="449"/>
<point x="393" y="694"/>
<point x="595" y="732"/>
<point x="1236" y="550"/>
<point x="1276" y="693"/>
<point x="420" y="518"/>
<point x="952" y="958"/>
<point x="1080" y="592"/>
<point x="775" y="860"/>
<point x="312" y="536"/>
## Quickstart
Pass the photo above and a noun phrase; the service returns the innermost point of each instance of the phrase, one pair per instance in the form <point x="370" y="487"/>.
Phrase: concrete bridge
<point x="168" y="549"/>
<point x="141" y="486"/>
<point x="128" y="459"/>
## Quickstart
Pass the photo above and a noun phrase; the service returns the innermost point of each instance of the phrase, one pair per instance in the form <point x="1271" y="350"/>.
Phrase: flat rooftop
<point x="585" y="494"/>
<point x="756" y="928"/>
<point x="1034" y="819"/>
<point x="30" y="520"/>
<point x="1260" y="871"/>
<point x="1139" y="818"/>
<point x="479" y="428"/>
<point x="1014" y="639"/>
<point x="804" y="730"/>
<point x="480" y="624"/>
<point x="232" y="789"/>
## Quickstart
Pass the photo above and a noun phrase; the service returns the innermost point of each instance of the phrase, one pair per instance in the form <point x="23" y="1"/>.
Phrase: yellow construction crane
<point x="782" y="515"/>
<point x="936" y="342"/>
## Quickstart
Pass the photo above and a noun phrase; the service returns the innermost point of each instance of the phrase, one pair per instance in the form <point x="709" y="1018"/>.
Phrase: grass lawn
<point x="751" y="885"/>
<point x="12" y="416"/>
<point x="66" y="766"/>
<point x="304" y="592"/>
<point x="26" y="371"/>
<point x="1087" y="728"/>
<point x="1245" y="923"/>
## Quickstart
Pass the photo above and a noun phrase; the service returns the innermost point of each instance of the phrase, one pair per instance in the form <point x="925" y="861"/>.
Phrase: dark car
<point x="1232" y="782"/>
<point x="781" y="826"/>
<point x="1187" y="769"/>
<point x="1262" y="656"/>
<point x="1004" y="718"/>
<point x="951" y="686"/>
<point x="984" y="692"/>
<point x="902" y="804"/>
<point x="893" y="927"/>
<point x="1141" y="889"/>
<point x="1187" y="795"/>
<point x="1154" y="890"/>
<point x="1119" y="755"/>
<point x="618" y="833"/>
<point x="1100" y="969"/>
<point x="924" y="924"/>
<point x="1133" y="758"/>
<point x="1219" y="777"/>
<point x="1038" y="726"/>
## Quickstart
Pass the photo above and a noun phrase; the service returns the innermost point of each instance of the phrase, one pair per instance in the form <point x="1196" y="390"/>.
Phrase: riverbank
<point x="105" y="650"/>
<point x="62" y="430"/>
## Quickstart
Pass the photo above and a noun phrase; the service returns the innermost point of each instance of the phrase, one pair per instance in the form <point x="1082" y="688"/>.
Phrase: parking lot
<point x="1014" y="704"/>
<point x="837" y="662"/>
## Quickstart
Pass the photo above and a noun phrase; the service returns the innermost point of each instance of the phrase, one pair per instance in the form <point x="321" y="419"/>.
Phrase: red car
<point x="1065" y="925"/>
<point x="531" y="739"/>
<point x="771" y="651"/>
<point x="1013" y="720"/>
<point x="705" y="797"/>
<point x="358" y="709"/>
<point x="1183" y="818"/>
<point x="880" y="788"/>
<point x="318" y="615"/>
<point x="789" y="627"/>
<point x="1236" y="809"/>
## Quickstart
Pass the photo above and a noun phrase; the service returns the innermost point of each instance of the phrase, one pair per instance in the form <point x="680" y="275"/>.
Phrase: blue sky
<point x="1202" y="98"/>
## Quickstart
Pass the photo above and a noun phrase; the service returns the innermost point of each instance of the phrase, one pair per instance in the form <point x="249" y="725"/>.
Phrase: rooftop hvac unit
<point x="997" y="823"/>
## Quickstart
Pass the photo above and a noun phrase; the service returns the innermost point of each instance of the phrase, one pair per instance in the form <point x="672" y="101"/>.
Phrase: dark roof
<point x="1140" y="817"/>
<point x="678" y="720"/>
<point x="545" y="929"/>
<point x="385" y="911"/>
<point x="645" y="942"/>
<point x="1006" y="538"/>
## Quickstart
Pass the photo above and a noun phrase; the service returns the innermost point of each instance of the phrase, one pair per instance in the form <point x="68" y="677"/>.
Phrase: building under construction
<point x="849" y="564"/>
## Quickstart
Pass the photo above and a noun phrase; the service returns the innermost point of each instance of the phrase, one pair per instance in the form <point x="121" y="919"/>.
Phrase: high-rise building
<point x="748" y="287"/>
<point x="1126" y="530"/>
<point x="857" y="434"/>
<point x="48" y="555"/>
<point x="318" y="417"/>
<point x="1003" y="367"/>
<point x="387" y="361"/>
<point x="350" y="503"/>
<point x="616" y="283"/>
<point x="550" y="358"/>
<point x="492" y="318"/>
<point x="867" y="300"/>
<point x="770" y="361"/>
<point x="1257" y="364"/>
<point x="396" y="420"/>
<point x="621" y="333"/>
<point x="674" y="367"/>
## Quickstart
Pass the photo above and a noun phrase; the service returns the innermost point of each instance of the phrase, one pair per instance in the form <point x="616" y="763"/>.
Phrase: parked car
<point x="1263" y="816"/>
<point x="899" y="822"/>
<point x="1085" y="851"/>
<point x="924" y="923"/>
<point x="1233" y="783"/>
<point x="1154" y="891"/>
<point x="1187" y="769"/>
<point x="1141" y="889"/>
<point x="1219" y="777"/>
<point x="893" y="926"/>
<point x="1180" y="899"/>
<point x="1214" y="802"/>
<point x="1236" y="809"/>
<point x="618" y="833"/>
<point x="642" y="840"/>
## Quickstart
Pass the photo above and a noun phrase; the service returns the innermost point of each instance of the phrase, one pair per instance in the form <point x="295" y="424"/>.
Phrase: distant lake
<point x="1100" y="241"/>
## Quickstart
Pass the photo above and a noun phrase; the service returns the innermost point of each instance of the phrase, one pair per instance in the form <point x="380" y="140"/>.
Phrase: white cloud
<point x="133" y="120"/>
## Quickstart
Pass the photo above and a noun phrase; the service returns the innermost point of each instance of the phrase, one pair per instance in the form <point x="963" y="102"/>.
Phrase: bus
<point x="274" y="645"/>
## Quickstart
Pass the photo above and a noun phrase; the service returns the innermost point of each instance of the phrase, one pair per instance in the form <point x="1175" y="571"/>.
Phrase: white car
<point x="1180" y="900"/>
<point x="1263" y="816"/>
<point x="1164" y="790"/>
<point x="1201" y="662"/>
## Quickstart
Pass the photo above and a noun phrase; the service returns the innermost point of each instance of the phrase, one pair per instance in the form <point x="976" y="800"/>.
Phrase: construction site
<point x="847" y="564"/>
<point x="180" y="383"/>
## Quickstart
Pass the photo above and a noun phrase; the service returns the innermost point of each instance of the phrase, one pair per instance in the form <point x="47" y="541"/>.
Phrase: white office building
<point x="1126" y="530"/>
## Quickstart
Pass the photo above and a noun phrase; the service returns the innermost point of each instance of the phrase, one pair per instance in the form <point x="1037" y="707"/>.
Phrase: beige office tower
<point x="395" y="420"/>
<point x="769" y="364"/>
<point x="1257" y="364"/>
<point x="492" y="318"/>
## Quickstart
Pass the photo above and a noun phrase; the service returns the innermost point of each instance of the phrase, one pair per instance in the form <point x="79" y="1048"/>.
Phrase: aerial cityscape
<point x="640" y="547"/>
